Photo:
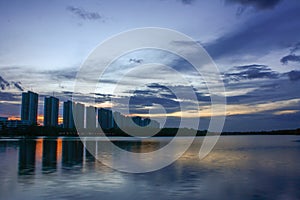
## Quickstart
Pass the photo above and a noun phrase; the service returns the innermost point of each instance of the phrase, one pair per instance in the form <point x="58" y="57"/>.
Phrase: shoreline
<point x="165" y="132"/>
<point x="143" y="137"/>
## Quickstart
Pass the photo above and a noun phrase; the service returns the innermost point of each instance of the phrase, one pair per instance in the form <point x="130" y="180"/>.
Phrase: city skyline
<point x="75" y="115"/>
<point x="255" y="45"/>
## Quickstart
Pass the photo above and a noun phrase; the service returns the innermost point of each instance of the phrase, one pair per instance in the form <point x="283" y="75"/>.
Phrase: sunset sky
<point x="254" y="43"/>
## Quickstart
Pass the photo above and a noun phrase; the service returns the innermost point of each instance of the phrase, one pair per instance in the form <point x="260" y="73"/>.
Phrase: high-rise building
<point x="29" y="107"/>
<point x="90" y="117"/>
<point x="105" y="118"/>
<point x="68" y="120"/>
<point x="51" y="111"/>
<point x="73" y="115"/>
<point x="78" y="113"/>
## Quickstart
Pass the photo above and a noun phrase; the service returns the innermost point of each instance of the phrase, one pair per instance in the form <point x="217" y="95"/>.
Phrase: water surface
<point x="239" y="167"/>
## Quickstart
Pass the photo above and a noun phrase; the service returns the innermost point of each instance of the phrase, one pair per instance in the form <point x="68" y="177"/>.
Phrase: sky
<point x="254" y="43"/>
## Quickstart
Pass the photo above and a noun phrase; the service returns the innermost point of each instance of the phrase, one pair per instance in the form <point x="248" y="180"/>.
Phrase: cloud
<point x="141" y="101"/>
<point x="290" y="58"/>
<point x="257" y="4"/>
<point x="62" y="74"/>
<point x="187" y="2"/>
<point x="137" y="61"/>
<point x="18" y="85"/>
<point x="83" y="14"/>
<point x="258" y="91"/>
<point x="294" y="75"/>
<point x="295" y="48"/>
<point x="285" y="112"/>
<point x="165" y="96"/>
<point x="5" y="85"/>
<point x="249" y="72"/>
<point x="9" y="97"/>
<point x="258" y="36"/>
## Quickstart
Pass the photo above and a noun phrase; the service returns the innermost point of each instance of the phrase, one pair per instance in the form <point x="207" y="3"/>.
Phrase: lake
<point x="239" y="167"/>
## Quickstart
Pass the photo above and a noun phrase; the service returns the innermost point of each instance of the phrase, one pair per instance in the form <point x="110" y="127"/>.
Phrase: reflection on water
<point x="27" y="150"/>
<point x="240" y="167"/>
<point x="49" y="155"/>
<point x="72" y="153"/>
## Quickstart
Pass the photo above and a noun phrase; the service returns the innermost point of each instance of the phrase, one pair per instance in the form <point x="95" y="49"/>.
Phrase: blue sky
<point x="254" y="43"/>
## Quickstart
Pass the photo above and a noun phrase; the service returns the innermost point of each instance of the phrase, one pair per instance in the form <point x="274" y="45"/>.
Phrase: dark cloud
<point x="295" y="48"/>
<point x="185" y="42"/>
<point x="7" y="96"/>
<point x="250" y="72"/>
<point x="265" y="90"/>
<point x="133" y="60"/>
<point x="257" y="4"/>
<point x="258" y="37"/>
<point x="90" y="98"/>
<point x="18" y="85"/>
<point x="294" y="75"/>
<point x="102" y="95"/>
<point x="181" y="65"/>
<point x="62" y="74"/>
<point x="100" y="98"/>
<point x="154" y="94"/>
<point x="187" y="2"/>
<point x="290" y="58"/>
<point x="238" y="98"/>
<point x="140" y="101"/>
<point x="83" y="14"/>
<point x="157" y="86"/>
<point x="202" y="97"/>
<point x="155" y="89"/>
<point x="5" y="85"/>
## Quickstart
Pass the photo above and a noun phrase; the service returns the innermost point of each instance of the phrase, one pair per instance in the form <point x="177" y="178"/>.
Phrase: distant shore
<point x="39" y="131"/>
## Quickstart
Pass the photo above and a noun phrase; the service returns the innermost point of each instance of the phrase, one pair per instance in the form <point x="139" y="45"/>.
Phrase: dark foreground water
<point x="239" y="167"/>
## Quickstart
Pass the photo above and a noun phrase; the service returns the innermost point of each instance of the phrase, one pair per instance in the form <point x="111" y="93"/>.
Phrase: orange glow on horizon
<point x="40" y="119"/>
<point x="60" y="119"/>
<point x="14" y="118"/>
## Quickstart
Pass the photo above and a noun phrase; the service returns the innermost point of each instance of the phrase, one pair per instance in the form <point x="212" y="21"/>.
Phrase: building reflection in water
<point x="72" y="153"/>
<point x="27" y="151"/>
<point x="90" y="151"/>
<point x="49" y="155"/>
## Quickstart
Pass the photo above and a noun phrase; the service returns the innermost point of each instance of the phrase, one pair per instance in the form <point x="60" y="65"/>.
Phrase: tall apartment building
<point x="29" y="107"/>
<point x="51" y="106"/>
